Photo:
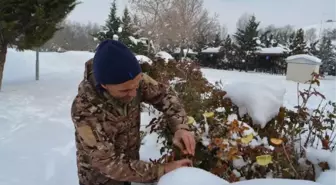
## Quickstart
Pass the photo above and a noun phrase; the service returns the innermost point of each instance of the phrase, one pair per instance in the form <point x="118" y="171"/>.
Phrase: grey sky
<point x="277" y="12"/>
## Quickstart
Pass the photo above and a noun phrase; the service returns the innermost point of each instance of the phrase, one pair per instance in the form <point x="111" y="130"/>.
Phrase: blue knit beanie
<point x="114" y="63"/>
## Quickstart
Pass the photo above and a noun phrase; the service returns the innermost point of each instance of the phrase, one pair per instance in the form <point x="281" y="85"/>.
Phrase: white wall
<point x="301" y="72"/>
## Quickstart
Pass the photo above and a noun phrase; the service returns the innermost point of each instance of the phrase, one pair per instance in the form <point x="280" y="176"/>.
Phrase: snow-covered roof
<point x="211" y="50"/>
<point x="303" y="59"/>
<point x="272" y="50"/>
<point x="164" y="55"/>
<point x="144" y="59"/>
<point x="190" y="51"/>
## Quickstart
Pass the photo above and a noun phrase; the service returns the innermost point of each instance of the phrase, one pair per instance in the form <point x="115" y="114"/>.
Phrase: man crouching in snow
<point x="106" y="115"/>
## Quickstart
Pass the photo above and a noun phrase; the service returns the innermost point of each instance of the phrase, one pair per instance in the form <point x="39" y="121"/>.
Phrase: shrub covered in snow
<point x="164" y="55"/>
<point x="237" y="142"/>
<point x="143" y="59"/>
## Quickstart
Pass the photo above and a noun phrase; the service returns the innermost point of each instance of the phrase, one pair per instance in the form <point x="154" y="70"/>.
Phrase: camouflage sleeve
<point x="164" y="99"/>
<point x="101" y="152"/>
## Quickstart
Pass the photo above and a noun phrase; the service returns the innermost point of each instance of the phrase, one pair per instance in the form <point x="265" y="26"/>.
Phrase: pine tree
<point x="29" y="24"/>
<point x="126" y="31"/>
<point x="290" y="42"/>
<point x="128" y="37"/>
<point x="112" y="25"/>
<point x="201" y="42"/>
<point x="247" y="41"/>
<point x="327" y="55"/>
<point x="229" y="50"/>
<point x="313" y="48"/>
<point x="218" y="41"/>
<point x="299" y="45"/>
<point x="131" y="34"/>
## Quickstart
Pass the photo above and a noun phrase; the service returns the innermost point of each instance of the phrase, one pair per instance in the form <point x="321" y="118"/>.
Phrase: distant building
<point x="187" y="53"/>
<point x="271" y="60"/>
<point x="211" y="57"/>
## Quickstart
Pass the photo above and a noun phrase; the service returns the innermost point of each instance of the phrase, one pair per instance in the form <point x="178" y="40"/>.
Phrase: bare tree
<point x="283" y="34"/>
<point x="280" y="34"/>
<point x="73" y="36"/>
<point x="150" y="16"/>
<point x="310" y="35"/>
<point x="174" y="23"/>
<point x="224" y="32"/>
<point x="243" y="21"/>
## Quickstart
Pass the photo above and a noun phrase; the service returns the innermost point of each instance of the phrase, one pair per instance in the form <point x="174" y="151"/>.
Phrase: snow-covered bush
<point x="164" y="55"/>
<point x="229" y="143"/>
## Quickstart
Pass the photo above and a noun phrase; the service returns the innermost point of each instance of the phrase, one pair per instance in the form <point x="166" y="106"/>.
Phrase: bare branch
<point x="175" y="22"/>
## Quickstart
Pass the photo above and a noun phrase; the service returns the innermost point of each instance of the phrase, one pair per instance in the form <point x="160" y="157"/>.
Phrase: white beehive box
<point x="300" y="67"/>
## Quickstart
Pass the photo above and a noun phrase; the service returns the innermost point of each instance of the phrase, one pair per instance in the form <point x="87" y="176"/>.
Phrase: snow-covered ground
<point x="36" y="131"/>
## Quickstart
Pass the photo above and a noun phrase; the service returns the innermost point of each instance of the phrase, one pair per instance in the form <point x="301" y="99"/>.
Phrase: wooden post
<point x="37" y="65"/>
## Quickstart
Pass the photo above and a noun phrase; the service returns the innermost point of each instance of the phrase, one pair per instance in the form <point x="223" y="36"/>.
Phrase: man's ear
<point x="103" y="86"/>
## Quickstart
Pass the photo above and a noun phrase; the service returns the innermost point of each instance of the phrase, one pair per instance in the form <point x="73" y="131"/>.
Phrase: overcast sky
<point x="277" y="12"/>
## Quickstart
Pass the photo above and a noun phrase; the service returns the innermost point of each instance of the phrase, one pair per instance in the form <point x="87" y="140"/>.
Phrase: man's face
<point x="125" y="92"/>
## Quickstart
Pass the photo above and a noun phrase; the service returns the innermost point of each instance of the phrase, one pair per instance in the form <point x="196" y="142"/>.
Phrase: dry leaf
<point x="264" y="160"/>
<point x="191" y="120"/>
<point x="247" y="139"/>
<point x="276" y="141"/>
<point x="209" y="114"/>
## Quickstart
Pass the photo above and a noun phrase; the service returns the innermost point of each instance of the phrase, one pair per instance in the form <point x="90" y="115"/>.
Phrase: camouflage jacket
<point x="108" y="133"/>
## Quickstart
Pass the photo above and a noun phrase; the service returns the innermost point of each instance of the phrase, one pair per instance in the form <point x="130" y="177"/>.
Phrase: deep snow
<point x="36" y="132"/>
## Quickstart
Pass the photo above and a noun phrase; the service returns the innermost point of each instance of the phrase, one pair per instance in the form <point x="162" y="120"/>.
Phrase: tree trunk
<point x="3" y="52"/>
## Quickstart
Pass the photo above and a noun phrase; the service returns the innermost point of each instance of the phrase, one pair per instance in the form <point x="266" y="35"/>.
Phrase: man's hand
<point x="176" y="164"/>
<point x="185" y="140"/>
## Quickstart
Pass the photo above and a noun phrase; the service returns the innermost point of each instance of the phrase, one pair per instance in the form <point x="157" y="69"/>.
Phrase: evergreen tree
<point x="229" y="50"/>
<point x="331" y="34"/>
<point x="29" y="24"/>
<point x="313" y="48"/>
<point x="327" y="55"/>
<point x="218" y="41"/>
<point x="299" y="45"/>
<point x="290" y="42"/>
<point x="130" y="35"/>
<point x="126" y="31"/>
<point x="247" y="41"/>
<point x="201" y="42"/>
<point x="140" y="47"/>
<point x="112" y="25"/>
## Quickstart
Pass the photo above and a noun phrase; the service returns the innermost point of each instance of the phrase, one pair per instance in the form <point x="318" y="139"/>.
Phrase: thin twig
<point x="298" y="94"/>
<point x="290" y="162"/>
<point x="321" y="121"/>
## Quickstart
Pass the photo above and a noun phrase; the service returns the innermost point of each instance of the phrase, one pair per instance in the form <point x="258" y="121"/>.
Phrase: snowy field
<point x="36" y="131"/>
